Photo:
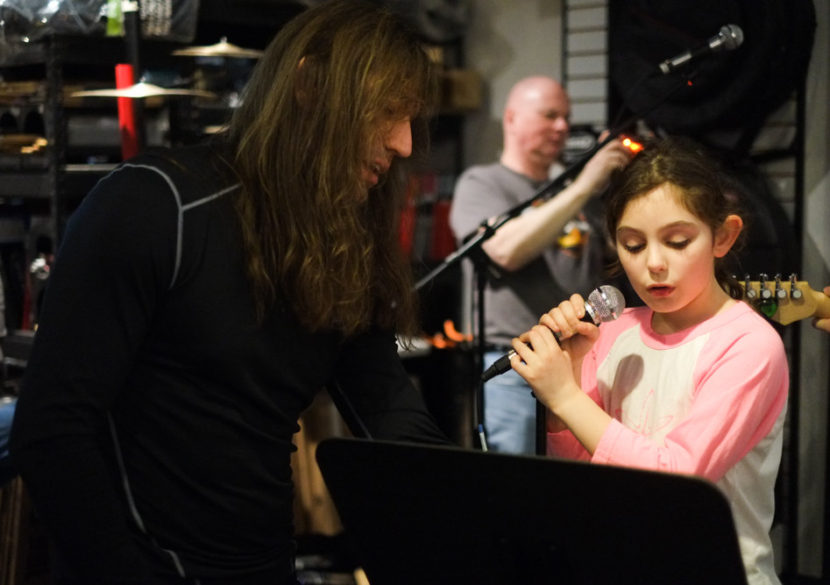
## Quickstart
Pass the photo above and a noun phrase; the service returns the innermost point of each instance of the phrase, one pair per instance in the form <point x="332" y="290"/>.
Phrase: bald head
<point x="531" y="89"/>
<point x="535" y="125"/>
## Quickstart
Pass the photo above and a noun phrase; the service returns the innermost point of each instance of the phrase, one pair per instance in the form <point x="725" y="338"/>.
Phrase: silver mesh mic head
<point x="730" y="37"/>
<point x="605" y="303"/>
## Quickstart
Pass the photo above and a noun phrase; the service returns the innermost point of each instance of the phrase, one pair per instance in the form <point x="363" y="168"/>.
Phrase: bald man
<point x="542" y="256"/>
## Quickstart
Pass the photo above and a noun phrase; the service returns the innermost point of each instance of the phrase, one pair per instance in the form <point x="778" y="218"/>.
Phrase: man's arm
<point x="94" y="316"/>
<point x="523" y="238"/>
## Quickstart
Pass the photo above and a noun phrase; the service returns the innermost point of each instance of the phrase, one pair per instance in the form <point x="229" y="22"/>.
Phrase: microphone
<point x="605" y="303"/>
<point x="729" y="37"/>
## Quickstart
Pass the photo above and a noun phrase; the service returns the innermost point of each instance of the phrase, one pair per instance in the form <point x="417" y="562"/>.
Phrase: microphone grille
<point x="733" y="36"/>
<point x="607" y="301"/>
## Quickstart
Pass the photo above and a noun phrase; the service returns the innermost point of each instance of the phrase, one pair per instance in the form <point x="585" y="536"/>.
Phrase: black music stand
<point x="421" y="514"/>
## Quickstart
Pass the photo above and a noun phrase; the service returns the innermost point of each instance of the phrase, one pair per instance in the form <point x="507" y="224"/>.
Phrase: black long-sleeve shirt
<point x="155" y="422"/>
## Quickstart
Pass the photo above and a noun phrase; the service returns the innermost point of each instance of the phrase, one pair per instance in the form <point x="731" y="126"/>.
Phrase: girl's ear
<point x="726" y="235"/>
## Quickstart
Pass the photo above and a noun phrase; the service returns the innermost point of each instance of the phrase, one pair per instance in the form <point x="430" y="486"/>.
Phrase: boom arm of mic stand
<point x="466" y="249"/>
<point x="490" y="228"/>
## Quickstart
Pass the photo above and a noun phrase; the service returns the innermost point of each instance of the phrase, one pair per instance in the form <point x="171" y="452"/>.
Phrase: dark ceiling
<point x="248" y="23"/>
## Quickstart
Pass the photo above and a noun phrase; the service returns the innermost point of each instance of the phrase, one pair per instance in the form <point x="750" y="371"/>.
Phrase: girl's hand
<point x="552" y="368"/>
<point x="576" y="336"/>
<point x="545" y="366"/>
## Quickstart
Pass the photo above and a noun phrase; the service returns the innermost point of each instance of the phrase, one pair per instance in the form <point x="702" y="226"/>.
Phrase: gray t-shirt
<point x="514" y="301"/>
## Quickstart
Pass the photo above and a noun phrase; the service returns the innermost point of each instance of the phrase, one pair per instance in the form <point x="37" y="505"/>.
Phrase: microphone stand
<point x="472" y="248"/>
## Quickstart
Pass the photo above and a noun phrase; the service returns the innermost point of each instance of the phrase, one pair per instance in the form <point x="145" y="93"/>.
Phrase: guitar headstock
<point x="784" y="301"/>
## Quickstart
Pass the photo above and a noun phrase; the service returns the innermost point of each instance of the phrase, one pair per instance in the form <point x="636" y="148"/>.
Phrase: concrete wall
<point x="505" y="42"/>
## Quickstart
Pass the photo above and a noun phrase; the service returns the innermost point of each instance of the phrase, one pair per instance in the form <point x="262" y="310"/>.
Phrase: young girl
<point x="694" y="382"/>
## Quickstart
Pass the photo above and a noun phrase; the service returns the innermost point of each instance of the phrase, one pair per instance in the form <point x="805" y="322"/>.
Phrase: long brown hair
<point x="704" y="188"/>
<point x="324" y="88"/>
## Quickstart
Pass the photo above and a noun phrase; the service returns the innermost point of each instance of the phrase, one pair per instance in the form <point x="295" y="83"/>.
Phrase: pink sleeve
<point x="564" y="444"/>
<point x="740" y="389"/>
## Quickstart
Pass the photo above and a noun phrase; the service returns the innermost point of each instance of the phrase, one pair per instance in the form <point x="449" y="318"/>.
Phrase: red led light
<point x="631" y="145"/>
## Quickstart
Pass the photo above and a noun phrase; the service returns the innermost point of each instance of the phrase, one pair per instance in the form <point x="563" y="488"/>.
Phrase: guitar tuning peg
<point x="766" y="304"/>
<point x="780" y="293"/>
<point x="766" y="293"/>
<point x="795" y="292"/>
<point x="749" y="292"/>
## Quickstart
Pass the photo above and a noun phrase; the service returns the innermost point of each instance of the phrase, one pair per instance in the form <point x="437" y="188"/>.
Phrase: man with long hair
<point x="202" y="296"/>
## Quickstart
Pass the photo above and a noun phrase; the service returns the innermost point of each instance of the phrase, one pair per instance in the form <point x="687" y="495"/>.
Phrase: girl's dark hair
<point x="704" y="187"/>
<point x="332" y="79"/>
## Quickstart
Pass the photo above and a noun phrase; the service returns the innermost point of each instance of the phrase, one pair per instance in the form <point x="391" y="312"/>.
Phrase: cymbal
<point x="221" y="49"/>
<point x="142" y="90"/>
